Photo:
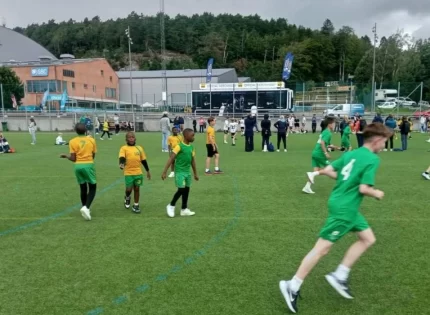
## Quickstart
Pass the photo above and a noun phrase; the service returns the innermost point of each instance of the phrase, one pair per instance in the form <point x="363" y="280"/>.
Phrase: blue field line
<point x="162" y="277"/>
<point x="56" y="215"/>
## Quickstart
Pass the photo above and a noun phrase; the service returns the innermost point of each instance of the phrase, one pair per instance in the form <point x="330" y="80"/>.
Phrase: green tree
<point x="12" y="85"/>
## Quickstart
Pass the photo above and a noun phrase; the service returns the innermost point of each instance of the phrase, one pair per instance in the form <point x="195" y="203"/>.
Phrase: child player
<point x="226" y="128"/>
<point x="82" y="152"/>
<point x="184" y="156"/>
<point x="320" y="154"/>
<point x="172" y="142"/>
<point x="212" y="148"/>
<point x="233" y="129"/>
<point x="345" y="143"/>
<point x="354" y="173"/>
<point x="131" y="157"/>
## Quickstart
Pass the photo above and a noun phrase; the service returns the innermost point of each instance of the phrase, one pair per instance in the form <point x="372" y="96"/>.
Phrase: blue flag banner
<point x="209" y="70"/>
<point x="288" y="64"/>
<point x="64" y="99"/>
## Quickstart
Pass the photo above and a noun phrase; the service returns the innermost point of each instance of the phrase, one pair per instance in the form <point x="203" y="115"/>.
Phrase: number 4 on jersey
<point x="347" y="169"/>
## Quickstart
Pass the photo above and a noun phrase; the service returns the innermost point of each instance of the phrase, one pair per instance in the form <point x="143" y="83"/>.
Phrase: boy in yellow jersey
<point x="212" y="148"/>
<point x="82" y="152"/>
<point x="184" y="155"/>
<point x="172" y="142"/>
<point x="106" y="130"/>
<point x="131" y="156"/>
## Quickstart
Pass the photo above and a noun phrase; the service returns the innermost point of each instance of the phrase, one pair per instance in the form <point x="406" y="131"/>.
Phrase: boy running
<point x="354" y="173"/>
<point x="131" y="156"/>
<point x="82" y="152"/>
<point x="172" y="142"/>
<point x="184" y="156"/>
<point x="320" y="153"/>
<point x="233" y="129"/>
<point x="212" y="148"/>
<point x="346" y="132"/>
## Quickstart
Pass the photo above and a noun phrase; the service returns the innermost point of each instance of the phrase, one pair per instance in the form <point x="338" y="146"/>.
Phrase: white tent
<point x="147" y="105"/>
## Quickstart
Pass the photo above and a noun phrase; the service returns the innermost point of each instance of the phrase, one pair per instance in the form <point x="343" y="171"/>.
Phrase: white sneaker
<point x="308" y="191"/>
<point x="289" y="296"/>
<point x="172" y="174"/>
<point x="340" y="286"/>
<point x="277" y="150"/>
<point x="85" y="212"/>
<point x="101" y="139"/>
<point x="428" y="140"/>
<point x="426" y="176"/>
<point x="187" y="213"/>
<point x="391" y="150"/>
<point x="170" y="211"/>
<point x="285" y="150"/>
<point x="385" y="150"/>
<point x="311" y="177"/>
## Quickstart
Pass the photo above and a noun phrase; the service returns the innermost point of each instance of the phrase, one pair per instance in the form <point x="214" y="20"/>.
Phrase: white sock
<point x="295" y="284"/>
<point x="317" y="173"/>
<point x="207" y="170"/>
<point x="308" y="185"/>
<point x="216" y="168"/>
<point x="342" y="272"/>
<point x="136" y="204"/>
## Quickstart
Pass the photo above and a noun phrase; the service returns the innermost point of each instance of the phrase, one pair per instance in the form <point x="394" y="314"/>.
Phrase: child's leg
<point x="185" y="195"/>
<point x="136" y="195"/>
<point x="217" y="161"/>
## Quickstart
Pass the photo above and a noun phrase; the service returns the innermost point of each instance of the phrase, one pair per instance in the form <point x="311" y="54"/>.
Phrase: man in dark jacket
<point x="378" y="119"/>
<point x="405" y="129"/>
<point x="282" y="127"/>
<point x="314" y="123"/>
<point x="265" y="132"/>
<point x="249" y="133"/>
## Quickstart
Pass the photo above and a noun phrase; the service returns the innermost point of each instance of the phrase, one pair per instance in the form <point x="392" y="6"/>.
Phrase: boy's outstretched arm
<point x="169" y="162"/>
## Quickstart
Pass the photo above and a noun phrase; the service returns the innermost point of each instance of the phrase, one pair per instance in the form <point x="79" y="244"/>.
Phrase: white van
<point x="345" y="110"/>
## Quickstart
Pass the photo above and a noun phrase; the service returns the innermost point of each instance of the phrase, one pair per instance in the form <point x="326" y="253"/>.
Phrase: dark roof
<point x="171" y="73"/>
<point x="15" y="46"/>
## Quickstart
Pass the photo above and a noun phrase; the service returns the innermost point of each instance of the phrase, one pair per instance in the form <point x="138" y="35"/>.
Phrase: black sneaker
<point x="340" y="286"/>
<point x="136" y="209"/>
<point x="289" y="296"/>
<point x="127" y="202"/>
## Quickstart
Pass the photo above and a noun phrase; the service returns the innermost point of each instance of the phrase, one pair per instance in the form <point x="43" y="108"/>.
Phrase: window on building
<point x="69" y="73"/>
<point x="73" y="85"/>
<point x="110" y="93"/>
<point x="40" y="86"/>
<point x="102" y="73"/>
<point x="94" y="88"/>
<point x="85" y="86"/>
<point x="110" y="78"/>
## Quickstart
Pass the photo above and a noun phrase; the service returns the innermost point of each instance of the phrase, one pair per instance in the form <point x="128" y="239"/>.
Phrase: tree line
<point x="254" y="46"/>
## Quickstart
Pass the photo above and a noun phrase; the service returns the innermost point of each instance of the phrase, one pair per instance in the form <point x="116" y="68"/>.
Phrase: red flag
<point x="14" y="104"/>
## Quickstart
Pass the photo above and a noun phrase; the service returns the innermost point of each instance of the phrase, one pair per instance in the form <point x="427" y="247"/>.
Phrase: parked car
<point x="387" y="105"/>
<point x="405" y="101"/>
<point x="425" y="113"/>
<point x="423" y="104"/>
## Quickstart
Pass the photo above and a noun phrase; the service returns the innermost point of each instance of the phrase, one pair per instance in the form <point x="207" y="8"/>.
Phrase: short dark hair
<point x="329" y="120"/>
<point x="376" y="130"/>
<point x="210" y="119"/>
<point x="80" y="129"/>
<point x="187" y="131"/>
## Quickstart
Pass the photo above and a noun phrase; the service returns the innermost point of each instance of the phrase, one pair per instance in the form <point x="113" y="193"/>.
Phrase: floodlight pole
<point x="2" y="100"/>
<point x="375" y="38"/>
<point x="163" y="54"/>
<point x="130" y="42"/>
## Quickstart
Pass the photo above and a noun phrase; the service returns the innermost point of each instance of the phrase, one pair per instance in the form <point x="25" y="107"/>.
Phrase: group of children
<point x="4" y="145"/>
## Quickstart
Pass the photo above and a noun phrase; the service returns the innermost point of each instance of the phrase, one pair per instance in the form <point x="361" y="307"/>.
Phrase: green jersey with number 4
<point x="326" y="137"/>
<point x="353" y="169"/>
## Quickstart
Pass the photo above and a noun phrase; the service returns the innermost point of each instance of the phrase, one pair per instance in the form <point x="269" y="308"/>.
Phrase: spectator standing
<point x="249" y="133"/>
<point x="282" y="127"/>
<point x="405" y="129"/>
<point x="390" y="123"/>
<point x="265" y="125"/>
<point x="314" y="123"/>
<point x="32" y="127"/>
<point x="165" y="131"/>
<point x="116" y="121"/>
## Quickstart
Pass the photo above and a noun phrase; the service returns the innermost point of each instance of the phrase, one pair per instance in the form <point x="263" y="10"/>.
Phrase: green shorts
<point x="334" y="229"/>
<point x="133" y="180"/>
<point x="85" y="173"/>
<point x="319" y="161"/>
<point x="345" y="144"/>
<point x="183" y="180"/>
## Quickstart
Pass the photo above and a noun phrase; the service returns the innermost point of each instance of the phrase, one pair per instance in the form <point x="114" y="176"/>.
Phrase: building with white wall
<point x="147" y="86"/>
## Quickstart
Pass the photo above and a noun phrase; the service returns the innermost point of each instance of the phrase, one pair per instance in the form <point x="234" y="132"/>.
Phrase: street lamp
<point x="130" y="42"/>
<point x="375" y="39"/>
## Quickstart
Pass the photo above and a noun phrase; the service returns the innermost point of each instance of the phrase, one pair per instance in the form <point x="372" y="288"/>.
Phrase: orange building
<point x="89" y="83"/>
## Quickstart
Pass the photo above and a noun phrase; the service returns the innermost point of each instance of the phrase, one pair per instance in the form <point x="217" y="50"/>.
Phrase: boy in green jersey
<point x="183" y="155"/>
<point x="320" y="153"/>
<point x="354" y="173"/>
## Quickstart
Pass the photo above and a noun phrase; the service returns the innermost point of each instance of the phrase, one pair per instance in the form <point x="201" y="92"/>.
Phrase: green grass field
<point x="253" y="225"/>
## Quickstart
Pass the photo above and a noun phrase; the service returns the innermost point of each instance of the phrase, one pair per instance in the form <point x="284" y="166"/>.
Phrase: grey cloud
<point x="360" y="14"/>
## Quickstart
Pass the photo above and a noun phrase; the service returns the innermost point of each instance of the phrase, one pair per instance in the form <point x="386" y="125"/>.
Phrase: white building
<point x="147" y="86"/>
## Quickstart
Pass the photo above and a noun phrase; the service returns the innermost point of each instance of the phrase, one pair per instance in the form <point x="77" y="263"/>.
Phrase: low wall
<point x="61" y="123"/>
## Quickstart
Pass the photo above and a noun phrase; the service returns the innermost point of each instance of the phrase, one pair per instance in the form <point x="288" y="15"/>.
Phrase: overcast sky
<point x="411" y="15"/>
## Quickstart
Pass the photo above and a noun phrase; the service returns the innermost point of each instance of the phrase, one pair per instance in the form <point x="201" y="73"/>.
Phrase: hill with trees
<point x="254" y="46"/>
